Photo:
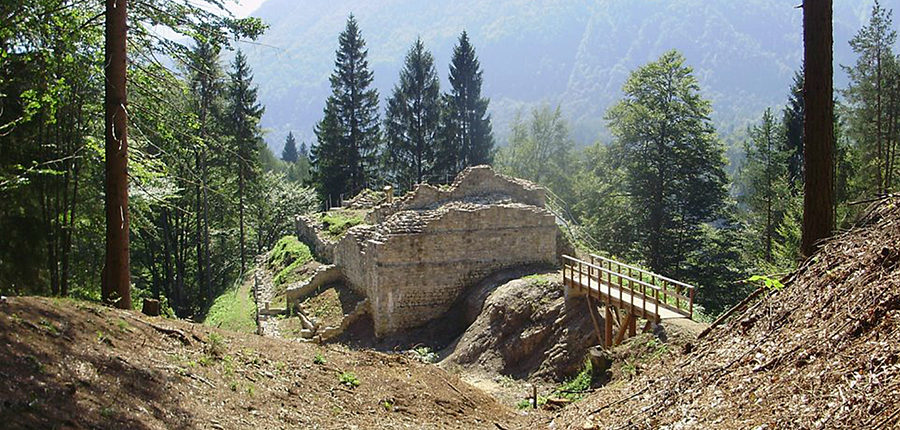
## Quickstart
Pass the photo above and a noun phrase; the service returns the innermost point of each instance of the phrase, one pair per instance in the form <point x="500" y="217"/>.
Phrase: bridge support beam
<point x="608" y="335"/>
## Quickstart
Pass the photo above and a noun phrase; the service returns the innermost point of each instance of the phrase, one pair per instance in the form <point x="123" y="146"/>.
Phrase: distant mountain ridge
<point x="574" y="52"/>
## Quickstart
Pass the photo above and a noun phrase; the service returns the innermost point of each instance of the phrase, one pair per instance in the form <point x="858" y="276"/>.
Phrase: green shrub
<point x="575" y="388"/>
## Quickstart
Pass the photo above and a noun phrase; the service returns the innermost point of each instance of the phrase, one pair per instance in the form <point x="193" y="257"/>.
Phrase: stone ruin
<point x="417" y="254"/>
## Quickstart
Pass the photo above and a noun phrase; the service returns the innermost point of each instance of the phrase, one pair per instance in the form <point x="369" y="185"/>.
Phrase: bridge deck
<point x="623" y="299"/>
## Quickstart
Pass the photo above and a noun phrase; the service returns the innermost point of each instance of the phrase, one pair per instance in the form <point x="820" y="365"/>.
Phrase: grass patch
<point x="337" y="222"/>
<point x="575" y="388"/>
<point x="539" y="280"/>
<point x="286" y="258"/>
<point x="234" y="310"/>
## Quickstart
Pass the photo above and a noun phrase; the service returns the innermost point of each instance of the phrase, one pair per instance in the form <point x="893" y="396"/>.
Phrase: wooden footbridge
<point x="622" y="288"/>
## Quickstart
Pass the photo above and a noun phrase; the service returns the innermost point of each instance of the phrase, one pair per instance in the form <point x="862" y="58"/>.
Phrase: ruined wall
<point x="421" y="251"/>
<point x="415" y="267"/>
<point x="309" y="232"/>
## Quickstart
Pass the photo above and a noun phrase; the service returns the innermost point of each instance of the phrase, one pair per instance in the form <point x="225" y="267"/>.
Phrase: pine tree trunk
<point x="241" y="219"/>
<point x="199" y="232"/>
<point x="818" y="200"/>
<point x="206" y="268"/>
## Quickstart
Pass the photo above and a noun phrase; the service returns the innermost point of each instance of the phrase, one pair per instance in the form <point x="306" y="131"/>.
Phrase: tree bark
<point x="818" y="199"/>
<point x="117" y="285"/>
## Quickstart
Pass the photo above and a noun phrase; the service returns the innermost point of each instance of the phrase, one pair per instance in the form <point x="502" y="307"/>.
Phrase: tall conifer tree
<point x="289" y="154"/>
<point x="244" y="115"/>
<point x="412" y="120"/>
<point x="348" y="137"/>
<point x="792" y="121"/>
<point x="467" y="136"/>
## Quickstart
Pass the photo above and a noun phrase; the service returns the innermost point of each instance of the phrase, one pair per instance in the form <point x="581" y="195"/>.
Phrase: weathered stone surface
<point x="308" y="231"/>
<point x="422" y="250"/>
<point x="324" y="275"/>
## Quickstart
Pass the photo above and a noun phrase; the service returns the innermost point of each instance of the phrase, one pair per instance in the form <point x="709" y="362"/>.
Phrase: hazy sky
<point x="242" y="8"/>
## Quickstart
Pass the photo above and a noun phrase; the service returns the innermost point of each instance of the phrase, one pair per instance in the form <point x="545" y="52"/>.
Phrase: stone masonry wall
<point x="415" y="263"/>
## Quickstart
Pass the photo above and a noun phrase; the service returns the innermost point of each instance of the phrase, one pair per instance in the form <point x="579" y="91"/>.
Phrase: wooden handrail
<point x="613" y="272"/>
<point x="659" y="296"/>
<point x="646" y="272"/>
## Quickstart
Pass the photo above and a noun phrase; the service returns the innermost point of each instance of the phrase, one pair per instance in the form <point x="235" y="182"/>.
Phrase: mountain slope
<point x="574" y="52"/>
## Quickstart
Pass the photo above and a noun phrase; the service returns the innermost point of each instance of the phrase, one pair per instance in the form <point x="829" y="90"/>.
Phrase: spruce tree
<point x="764" y="175"/>
<point x="792" y="121"/>
<point x="244" y="115"/>
<point x="207" y="84"/>
<point x="467" y="138"/>
<point x="874" y="100"/>
<point x="303" y="151"/>
<point x="349" y="135"/>
<point x="673" y="162"/>
<point x="289" y="153"/>
<point x="412" y="119"/>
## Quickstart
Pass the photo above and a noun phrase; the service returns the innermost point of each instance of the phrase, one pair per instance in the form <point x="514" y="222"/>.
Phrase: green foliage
<point x="319" y="359"/>
<point x="872" y="101"/>
<point x="288" y="255"/>
<point x="215" y="345"/>
<point x="349" y="380"/>
<point x="425" y="354"/>
<point x="466" y="135"/>
<point x="770" y="283"/>
<point x="289" y="153"/>
<point x="412" y="120"/>
<point x="575" y="388"/>
<point x="348" y="136"/>
<point x="764" y="179"/>
<point x="337" y="222"/>
<point x="672" y="162"/>
<point x="234" y="310"/>
<point x="540" y="150"/>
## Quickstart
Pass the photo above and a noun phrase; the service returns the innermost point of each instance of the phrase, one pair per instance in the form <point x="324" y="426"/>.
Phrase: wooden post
<point x="629" y="320"/>
<point x="594" y="316"/>
<point x="607" y="338"/>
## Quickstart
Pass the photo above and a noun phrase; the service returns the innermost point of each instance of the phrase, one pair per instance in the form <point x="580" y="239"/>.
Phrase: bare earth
<point x="74" y="365"/>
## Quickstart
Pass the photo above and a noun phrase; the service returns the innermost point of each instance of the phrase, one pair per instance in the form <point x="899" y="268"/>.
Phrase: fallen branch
<point x="172" y="332"/>
<point x="731" y="312"/>
<point x="622" y="400"/>
<point x="201" y="379"/>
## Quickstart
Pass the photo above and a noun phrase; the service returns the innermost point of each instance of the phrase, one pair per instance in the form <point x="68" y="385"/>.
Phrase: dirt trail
<point x="75" y="365"/>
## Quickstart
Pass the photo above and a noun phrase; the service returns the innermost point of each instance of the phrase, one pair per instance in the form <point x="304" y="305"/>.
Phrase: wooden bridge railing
<point x="672" y="290"/>
<point x="630" y="288"/>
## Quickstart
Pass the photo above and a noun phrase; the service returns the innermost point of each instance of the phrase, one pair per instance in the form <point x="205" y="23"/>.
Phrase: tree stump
<point x="151" y="307"/>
